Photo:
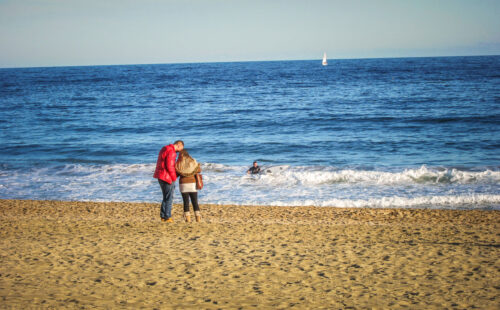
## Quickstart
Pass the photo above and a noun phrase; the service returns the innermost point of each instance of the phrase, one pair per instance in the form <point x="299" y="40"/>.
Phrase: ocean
<point x="395" y="133"/>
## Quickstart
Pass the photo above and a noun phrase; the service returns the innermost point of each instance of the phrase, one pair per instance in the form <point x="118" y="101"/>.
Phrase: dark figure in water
<point x="254" y="169"/>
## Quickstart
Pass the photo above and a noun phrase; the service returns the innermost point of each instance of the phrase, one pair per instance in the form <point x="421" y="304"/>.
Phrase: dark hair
<point x="184" y="153"/>
<point x="179" y="141"/>
<point x="254" y="162"/>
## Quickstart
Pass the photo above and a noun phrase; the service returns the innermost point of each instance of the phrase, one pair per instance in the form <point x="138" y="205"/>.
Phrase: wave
<point x="291" y="175"/>
<point x="279" y="185"/>
<point x="430" y="202"/>
<point x="330" y="175"/>
<point x="482" y="202"/>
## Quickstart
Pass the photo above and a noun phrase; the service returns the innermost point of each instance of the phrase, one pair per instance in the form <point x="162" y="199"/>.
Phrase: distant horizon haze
<point x="244" y="61"/>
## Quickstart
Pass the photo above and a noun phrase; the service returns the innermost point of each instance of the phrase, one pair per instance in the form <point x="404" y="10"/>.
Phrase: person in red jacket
<point x="166" y="175"/>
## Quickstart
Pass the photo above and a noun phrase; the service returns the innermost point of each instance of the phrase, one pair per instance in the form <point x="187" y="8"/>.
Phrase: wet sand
<point x="119" y="255"/>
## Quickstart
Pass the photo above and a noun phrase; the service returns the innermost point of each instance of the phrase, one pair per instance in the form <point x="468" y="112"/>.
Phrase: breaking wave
<point x="422" y="187"/>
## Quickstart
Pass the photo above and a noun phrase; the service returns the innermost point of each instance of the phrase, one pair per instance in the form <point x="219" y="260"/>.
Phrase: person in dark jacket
<point x="166" y="175"/>
<point x="254" y="169"/>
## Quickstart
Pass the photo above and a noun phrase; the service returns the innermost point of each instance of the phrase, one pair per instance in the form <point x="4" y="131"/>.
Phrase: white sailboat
<point x="325" y="63"/>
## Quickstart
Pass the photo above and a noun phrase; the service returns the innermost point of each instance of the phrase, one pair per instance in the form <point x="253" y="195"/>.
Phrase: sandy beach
<point x="119" y="255"/>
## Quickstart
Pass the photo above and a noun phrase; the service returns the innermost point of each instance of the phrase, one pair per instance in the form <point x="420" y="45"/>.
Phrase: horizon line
<point x="239" y="61"/>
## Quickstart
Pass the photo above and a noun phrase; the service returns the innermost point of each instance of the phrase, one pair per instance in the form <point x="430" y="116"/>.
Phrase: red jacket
<point x="165" y="165"/>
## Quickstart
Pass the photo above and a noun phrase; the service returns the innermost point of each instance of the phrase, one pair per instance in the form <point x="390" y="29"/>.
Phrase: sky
<point x="37" y="33"/>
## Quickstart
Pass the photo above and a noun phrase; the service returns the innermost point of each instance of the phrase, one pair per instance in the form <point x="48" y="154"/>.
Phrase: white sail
<point x="324" y="60"/>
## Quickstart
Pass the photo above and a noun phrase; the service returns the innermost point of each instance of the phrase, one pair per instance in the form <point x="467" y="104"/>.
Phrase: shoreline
<point x="215" y="213"/>
<point x="115" y="255"/>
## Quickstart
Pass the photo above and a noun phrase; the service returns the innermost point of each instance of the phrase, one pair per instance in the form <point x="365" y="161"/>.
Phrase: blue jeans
<point x="168" y="195"/>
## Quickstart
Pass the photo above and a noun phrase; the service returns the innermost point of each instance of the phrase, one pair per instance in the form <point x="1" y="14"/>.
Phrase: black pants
<point x="194" y="201"/>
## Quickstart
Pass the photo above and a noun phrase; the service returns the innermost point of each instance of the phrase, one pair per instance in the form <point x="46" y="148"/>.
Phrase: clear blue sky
<point x="93" y="32"/>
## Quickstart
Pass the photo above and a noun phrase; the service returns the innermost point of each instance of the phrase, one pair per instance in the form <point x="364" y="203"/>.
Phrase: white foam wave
<point x="329" y="175"/>
<point x="281" y="185"/>
<point x="461" y="201"/>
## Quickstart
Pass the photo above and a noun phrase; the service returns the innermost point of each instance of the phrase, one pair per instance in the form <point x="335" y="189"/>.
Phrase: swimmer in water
<point x="254" y="169"/>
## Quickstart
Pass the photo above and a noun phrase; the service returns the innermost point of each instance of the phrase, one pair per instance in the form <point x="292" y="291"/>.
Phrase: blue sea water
<point x="405" y="132"/>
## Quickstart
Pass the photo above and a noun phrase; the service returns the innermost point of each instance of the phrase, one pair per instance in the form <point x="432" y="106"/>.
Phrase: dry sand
<point x="119" y="255"/>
